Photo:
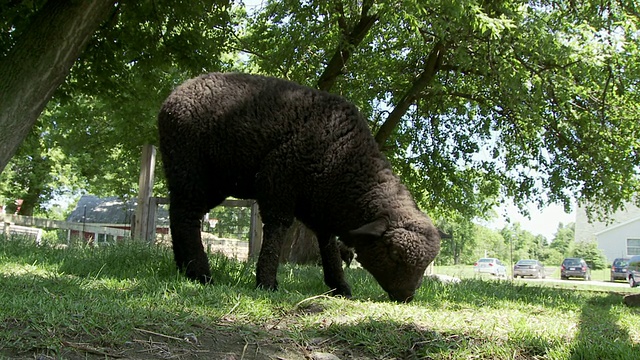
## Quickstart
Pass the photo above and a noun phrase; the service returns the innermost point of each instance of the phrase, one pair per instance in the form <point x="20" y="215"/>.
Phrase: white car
<point x="491" y="266"/>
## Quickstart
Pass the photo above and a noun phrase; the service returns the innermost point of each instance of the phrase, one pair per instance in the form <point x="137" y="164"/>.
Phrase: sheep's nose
<point x="401" y="296"/>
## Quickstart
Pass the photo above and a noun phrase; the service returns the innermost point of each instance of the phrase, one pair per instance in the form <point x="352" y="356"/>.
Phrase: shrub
<point x="590" y="252"/>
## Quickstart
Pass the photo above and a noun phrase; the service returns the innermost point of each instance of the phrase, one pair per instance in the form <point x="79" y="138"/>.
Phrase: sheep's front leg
<point x="332" y="266"/>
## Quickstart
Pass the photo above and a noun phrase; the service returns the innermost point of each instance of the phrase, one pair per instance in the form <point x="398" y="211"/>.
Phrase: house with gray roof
<point x="112" y="212"/>
<point x="617" y="237"/>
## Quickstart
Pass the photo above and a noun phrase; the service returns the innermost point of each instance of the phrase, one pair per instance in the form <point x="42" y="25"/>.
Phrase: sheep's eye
<point x="394" y="254"/>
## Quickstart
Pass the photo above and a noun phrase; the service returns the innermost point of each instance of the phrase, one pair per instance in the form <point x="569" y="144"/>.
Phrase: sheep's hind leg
<point x="332" y="266"/>
<point x="188" y="251"/>
<point x="269" y="259"/>
<point x="276" y="198"/>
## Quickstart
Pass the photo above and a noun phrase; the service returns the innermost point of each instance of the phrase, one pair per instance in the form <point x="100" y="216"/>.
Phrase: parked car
<point x="619" y="269"/>
<point x="529" y="267"/>
<point x="575" y="267"/>
<point x="633" y="271"/>
<point x="491" y="266"/>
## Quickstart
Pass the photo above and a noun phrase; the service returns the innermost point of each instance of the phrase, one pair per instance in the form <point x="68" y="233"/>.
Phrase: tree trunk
<point x="39" y="62"/>
<point x="300" y="246"/>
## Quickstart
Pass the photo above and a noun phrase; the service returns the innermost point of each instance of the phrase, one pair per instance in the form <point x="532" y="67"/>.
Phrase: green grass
<point x="129" y="301"/>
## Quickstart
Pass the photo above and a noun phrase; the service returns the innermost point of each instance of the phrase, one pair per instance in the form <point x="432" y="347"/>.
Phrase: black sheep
<point x="300" y="153"/>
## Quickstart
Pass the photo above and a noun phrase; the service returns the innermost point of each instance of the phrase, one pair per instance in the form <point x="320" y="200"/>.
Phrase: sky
<point x="541" y="222"/>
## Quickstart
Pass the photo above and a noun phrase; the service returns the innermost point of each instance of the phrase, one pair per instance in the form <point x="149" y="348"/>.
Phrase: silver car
<point x="491" y="266"/>
<point x="529" y="267"/>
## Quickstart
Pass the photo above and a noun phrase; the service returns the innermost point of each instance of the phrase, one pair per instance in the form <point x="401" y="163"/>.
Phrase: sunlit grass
<point x="107" y="296"/>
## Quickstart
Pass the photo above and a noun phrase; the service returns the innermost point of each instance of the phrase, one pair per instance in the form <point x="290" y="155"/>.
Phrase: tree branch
<point x="419" y="84"/>
<point x="604" y="93"/>
<point x="350" y="41"/>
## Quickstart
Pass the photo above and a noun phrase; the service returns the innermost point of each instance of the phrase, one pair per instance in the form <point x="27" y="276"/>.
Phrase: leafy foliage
<point x="590" y="252"/>
<point x="231" y="222"/>
<point x="39" y="172"/>
<point x="523" y="99"/>
<point x="472" y="101"/>
<point x="468" y="242"/>
<point x="563" y="241"/>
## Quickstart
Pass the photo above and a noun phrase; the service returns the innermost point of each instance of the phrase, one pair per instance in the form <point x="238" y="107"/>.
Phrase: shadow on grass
<point x="62" y="317"/>
<point x="598" y="326"/>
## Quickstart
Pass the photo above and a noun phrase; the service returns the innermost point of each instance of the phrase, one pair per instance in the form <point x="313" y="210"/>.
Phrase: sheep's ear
<point x="375" y="228"/>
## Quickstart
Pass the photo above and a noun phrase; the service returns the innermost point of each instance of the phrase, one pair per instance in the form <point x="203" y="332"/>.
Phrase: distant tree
<point x="590" y="252"/>
<point x="37" y="173"/>
<point x="539" y="244"/>
<point x="233" y="222"/>
<point x="489" y="243"/>
<point x="551" y="257"/>
<point x="564" y="239"/>
<point x="458" y="249"/>
<point x="523" y="243"/>
<point x="27" y="178"/>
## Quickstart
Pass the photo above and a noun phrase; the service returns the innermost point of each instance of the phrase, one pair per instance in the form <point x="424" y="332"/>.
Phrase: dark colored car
<point x="575" y="267"/>
<point x="633" y="271"/>
<point x="619" y="269"/>
<point x="529" y="267"/>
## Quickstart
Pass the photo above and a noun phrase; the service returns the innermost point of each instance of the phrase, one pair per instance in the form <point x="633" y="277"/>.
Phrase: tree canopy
<point x="473" y="101"/>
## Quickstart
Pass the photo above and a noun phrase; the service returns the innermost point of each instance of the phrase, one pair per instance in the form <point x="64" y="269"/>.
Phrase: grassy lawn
<point x="128" y="301"/>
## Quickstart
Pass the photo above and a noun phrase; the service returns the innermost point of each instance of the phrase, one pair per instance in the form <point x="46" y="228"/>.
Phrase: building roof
<point x="110" y="210"/>
<point x="617" y="226"/>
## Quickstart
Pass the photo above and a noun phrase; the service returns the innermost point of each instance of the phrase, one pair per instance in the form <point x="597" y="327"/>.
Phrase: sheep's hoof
<point x="271" y="287"/>
<point x="342" y="291"/>
<point x="203" y="278"/>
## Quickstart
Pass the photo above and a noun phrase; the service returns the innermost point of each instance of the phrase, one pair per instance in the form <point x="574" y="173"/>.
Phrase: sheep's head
<point x="396" y="256"/>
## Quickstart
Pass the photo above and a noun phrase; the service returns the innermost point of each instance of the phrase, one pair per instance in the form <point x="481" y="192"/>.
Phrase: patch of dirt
<point x="224" y="342"/>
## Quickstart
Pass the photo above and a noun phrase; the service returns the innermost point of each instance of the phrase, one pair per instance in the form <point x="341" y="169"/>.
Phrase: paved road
<point x="573" y="281"/>
<point x="577" y="282"/>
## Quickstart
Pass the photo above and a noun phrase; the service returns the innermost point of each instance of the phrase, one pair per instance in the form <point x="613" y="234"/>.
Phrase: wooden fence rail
<point x="10" y="221"/>
<point x="27" y="225"/>
<point x="255" y="227"/>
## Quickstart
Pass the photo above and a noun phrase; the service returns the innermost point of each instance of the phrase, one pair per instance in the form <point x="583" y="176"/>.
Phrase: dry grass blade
<point x="91" y="349"/>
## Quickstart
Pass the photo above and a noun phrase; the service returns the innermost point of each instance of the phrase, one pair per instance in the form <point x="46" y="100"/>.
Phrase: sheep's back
<point x="227" y="124"/>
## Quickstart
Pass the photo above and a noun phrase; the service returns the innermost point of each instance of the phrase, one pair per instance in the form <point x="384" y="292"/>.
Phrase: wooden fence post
<point x="151" y="220"/>
<point x="255" y="235"/>
<point x="147" y="170"/>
